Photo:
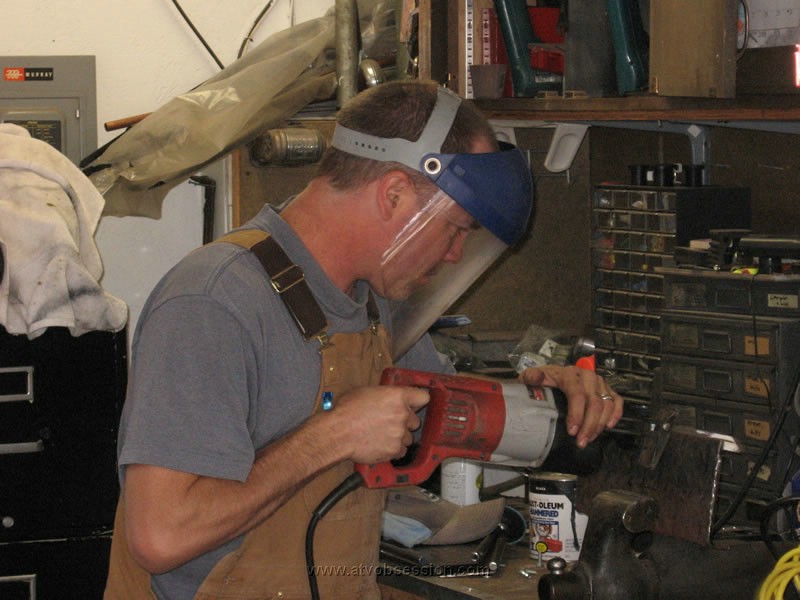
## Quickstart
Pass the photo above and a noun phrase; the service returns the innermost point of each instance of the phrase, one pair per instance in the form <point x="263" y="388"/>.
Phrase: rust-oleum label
<point x="556" y="527"/>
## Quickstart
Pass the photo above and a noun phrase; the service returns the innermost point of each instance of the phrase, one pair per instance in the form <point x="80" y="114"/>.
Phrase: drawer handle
<point x="717" y="341"/>
<point x="717" y="381"/>
<point x="29" y="579"/>
<point x="16" y="384"/>
<point x="22" y="447"/>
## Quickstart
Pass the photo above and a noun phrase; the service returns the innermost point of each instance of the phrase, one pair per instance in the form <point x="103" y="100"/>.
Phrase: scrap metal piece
<point x="683" y="482"/>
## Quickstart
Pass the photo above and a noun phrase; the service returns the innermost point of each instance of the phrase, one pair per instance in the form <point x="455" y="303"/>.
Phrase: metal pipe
<point x="347" y="49"/>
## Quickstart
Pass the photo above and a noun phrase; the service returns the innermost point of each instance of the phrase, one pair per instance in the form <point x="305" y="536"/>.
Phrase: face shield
<point x="481" y="207"/>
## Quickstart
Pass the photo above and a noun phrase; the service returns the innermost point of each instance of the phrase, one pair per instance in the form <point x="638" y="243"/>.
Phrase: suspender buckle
<point x="287" y="279"/>
<point x="323" y="340"/>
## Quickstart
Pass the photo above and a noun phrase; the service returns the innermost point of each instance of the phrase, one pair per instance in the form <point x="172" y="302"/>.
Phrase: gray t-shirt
<point x="220" y="370"/>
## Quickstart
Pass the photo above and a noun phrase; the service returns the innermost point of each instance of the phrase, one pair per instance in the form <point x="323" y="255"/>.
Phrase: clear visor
<point x="439" y="222"/>
<point x="434" y="259"/>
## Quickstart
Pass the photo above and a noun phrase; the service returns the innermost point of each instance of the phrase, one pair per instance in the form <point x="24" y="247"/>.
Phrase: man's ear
<point x="393" y="191"/>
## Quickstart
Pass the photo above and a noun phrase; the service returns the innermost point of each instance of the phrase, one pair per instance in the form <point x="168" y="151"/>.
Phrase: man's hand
<point x="173" y="516"/>
<point x="380" y="420"/>
<point x="592" y="405"/>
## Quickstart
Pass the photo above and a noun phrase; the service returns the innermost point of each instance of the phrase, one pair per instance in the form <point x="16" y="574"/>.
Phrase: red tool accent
<point x="553" y="545"/>
<point x="465" y="418"/>
<point x="547" y="59"/>
<point x="586" y="362"/>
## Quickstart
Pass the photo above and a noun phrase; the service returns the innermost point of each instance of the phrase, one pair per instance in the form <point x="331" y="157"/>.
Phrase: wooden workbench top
<point x="508" y="583"/>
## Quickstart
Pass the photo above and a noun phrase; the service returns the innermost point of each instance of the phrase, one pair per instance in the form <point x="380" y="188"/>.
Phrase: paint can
<point x="556" y="526"/>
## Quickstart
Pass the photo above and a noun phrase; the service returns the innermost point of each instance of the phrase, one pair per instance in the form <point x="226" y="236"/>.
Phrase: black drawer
<point x="765" y="385"/>
<point x="736" y="337"/>
<point x="724" y="292"/>
<point x="60" y="403"/>
<point x="71" y="569"/>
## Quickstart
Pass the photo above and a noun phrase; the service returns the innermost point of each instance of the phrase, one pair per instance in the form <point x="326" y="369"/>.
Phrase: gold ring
<point x="606" y="397"/>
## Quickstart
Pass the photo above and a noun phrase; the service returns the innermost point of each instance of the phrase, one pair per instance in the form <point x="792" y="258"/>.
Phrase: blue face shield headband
<point x="495" y="188"/>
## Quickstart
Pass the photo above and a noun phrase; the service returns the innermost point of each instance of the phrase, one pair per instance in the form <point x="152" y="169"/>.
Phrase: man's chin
<point x="401" y="293"/>
<point x="421" y="282"/>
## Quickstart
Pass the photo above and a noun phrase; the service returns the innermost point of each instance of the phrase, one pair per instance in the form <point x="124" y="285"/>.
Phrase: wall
<point x="145" y="55"/>
<point x="543" y="281"/>
<point x="547" y="281"/>
<point x="766" y="162"/>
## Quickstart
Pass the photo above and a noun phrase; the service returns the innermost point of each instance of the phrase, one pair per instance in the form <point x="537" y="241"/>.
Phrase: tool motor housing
<point x="471" y="418"/>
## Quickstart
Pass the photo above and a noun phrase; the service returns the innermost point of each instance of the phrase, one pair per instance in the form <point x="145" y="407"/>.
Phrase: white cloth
<point x="49" y="212"/>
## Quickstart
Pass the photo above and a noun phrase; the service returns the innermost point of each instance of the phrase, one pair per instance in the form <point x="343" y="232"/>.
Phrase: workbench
<point x="728" y="570"/>
<point x="508" y="583"/>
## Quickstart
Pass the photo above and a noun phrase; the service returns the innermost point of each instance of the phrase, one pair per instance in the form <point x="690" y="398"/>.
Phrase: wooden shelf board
<point x="645" y="108"/>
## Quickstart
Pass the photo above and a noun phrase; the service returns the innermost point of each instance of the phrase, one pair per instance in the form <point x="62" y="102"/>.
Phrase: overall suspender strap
<point x="287" y="280"/>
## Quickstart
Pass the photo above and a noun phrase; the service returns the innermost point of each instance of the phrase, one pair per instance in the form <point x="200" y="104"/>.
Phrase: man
<point x="251" y="395"/>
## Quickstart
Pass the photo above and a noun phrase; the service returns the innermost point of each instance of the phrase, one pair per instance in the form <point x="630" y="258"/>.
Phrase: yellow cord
<point x="786" y="570"/>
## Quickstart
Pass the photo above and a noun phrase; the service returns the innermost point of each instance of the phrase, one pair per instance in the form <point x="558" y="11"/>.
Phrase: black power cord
<point x="249" y="37"/>
<point x="786" y="503"/>
<point x="755" y="470"/>
<point x="777" y="430"/>
<point x="352" y="483"/>
<point x="197" y="33"/>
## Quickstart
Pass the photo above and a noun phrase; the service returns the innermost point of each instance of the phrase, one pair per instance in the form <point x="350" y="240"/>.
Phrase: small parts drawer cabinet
<point x="60" y="402"/>
<point x="730" y="352"/>
<point x="635" y="232"/>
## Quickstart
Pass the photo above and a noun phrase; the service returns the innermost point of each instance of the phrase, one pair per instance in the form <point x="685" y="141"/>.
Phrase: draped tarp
<point x="286" y="72"/>
<point x="258" y="91"/>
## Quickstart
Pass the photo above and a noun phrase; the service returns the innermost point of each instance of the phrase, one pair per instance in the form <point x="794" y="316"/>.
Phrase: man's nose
<point x="456" y="250"/>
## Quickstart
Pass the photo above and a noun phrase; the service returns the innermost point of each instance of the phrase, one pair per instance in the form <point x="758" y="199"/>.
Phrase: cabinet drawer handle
<point x="22" y="447"/>
<point x="12" y="579"/>
<point x="16" y="384"/>
<point x="717" y="381"/>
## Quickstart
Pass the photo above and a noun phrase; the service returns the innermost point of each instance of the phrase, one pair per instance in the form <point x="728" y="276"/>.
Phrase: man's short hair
<point x="398" y="109"/>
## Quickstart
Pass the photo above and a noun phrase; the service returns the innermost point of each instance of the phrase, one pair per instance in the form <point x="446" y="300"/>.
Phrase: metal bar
<point x="22" y="447"/>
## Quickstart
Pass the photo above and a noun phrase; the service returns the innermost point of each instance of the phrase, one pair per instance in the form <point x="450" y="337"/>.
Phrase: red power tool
<point x="467" y="417"/>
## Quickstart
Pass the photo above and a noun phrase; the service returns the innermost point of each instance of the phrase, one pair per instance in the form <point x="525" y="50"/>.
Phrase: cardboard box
<point x="693" y="48"/>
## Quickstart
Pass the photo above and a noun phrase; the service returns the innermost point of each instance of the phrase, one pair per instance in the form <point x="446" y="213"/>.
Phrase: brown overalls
<point x="270" y="563"/>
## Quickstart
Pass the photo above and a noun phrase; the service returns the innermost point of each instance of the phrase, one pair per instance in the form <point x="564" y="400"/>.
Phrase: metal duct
<point x="347" y="50"/>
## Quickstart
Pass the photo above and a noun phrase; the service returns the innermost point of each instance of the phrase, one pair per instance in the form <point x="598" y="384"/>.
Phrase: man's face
<point x="435" y="236"/>
<point x="439" y="233"/>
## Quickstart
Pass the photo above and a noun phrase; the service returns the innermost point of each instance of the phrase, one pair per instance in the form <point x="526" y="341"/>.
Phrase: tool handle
<point x="394" y="474"/>
<point x="124" y="123"/>
<point x="630" y="47"/>
<point x="464" y="419"/>
<point x="517" y="34"/>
